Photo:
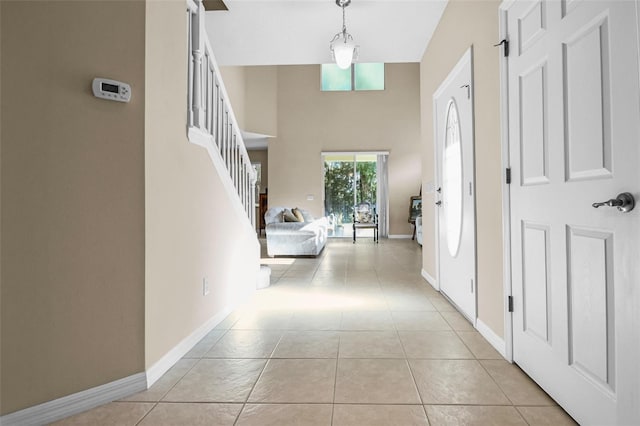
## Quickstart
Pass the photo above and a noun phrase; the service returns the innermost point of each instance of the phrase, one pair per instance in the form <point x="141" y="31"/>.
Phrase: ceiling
<point x="277" y="32"/>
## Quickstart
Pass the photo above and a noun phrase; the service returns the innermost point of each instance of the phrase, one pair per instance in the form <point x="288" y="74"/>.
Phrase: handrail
<point x="211" y="113"/>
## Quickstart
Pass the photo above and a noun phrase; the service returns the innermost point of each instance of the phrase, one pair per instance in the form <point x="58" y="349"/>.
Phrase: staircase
<point x="211" y="121"/>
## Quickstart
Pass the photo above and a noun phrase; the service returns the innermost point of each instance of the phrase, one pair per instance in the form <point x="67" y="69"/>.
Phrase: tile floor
<point x="353" y="337"/>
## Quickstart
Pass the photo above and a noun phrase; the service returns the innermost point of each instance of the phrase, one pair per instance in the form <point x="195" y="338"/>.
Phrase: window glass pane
<point x="452" y="179"/>
<point x="366" y="182"/>
<point x="334" y="78"/>
<point x="369" y="76"/>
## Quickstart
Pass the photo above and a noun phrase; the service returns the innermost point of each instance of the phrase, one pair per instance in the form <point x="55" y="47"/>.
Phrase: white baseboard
<point x="69" y="405"/>
<point x="429" y="279"/>
<point x="158" y="369"/>
<point x="399" y="237"/>
<point x="494" y="340"/>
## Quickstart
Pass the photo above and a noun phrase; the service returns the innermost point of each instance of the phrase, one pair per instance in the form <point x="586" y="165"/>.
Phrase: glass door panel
<point x="339" y="194"/>
<point x="349" y="179"/>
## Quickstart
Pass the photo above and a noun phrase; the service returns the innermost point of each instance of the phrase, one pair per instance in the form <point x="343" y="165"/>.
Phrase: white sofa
<point x="306" y="238"/>
<point x="419" y="229"/>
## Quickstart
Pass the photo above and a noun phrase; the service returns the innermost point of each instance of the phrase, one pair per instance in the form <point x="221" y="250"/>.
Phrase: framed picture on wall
<point x="415" y="208"/>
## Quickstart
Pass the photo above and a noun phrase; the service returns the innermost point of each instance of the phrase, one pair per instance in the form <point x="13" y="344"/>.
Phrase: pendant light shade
<point x="343" y="54"/>
<point x="342" y="47"/>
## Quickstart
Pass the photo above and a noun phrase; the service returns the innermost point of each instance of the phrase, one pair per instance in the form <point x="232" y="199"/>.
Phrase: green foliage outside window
<point x="335" y="79"/>
<point x="369" y="76"/>
<point x="339" y="187"/>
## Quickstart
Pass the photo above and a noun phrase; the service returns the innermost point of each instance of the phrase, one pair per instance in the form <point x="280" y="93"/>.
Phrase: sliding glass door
<point x="349" y="179"/>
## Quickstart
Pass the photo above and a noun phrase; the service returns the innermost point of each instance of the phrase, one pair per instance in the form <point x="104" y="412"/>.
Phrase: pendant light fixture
<point x="342" y="47"/>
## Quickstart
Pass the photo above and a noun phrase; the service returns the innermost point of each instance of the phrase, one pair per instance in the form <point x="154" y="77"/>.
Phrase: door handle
<point x="624" y="202"/>
<point x="438" y="203"/>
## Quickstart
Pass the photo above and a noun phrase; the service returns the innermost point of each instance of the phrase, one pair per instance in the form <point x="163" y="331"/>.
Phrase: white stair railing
<point x="210" y="113"/>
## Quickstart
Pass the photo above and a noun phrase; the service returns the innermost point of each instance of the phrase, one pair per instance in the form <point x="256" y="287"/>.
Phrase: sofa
<point x="294" y="238"/>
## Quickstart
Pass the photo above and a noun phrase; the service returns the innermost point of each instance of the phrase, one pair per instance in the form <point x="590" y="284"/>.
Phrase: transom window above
<point x="368" y="76"/>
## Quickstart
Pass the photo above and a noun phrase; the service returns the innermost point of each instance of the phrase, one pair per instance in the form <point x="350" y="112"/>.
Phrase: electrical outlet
<point x="205" y="286"/>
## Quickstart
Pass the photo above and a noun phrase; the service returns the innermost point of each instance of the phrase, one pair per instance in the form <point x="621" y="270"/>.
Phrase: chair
<point x="365" y="217"/>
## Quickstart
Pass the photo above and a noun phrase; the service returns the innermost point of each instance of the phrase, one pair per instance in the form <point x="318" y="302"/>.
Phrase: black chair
<point x="365" y="217"/>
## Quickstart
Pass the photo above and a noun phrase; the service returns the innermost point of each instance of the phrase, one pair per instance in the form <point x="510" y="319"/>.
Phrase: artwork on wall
<point x="415" y="208"/>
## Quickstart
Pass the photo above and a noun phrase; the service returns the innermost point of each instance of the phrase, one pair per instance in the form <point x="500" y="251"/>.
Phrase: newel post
<point x="198" y="53"/>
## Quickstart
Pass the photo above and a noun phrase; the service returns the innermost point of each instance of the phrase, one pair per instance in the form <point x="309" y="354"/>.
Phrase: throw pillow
<point x="288" y="216"/>
<point x="306" y="215"/>
<point x="298" y="214"/>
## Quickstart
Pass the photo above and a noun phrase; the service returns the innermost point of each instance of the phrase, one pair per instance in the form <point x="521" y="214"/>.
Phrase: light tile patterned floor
<point x="353" y="337"/>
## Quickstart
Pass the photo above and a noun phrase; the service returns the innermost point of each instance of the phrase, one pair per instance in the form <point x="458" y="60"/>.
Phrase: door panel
<point x="574" y="132"/>
<point x="453" y="123"/>
<point x="535" y="291"/>
<point x="533" y="138"/>
<point x="587" y="97"/>
<point x="591" y="322"/>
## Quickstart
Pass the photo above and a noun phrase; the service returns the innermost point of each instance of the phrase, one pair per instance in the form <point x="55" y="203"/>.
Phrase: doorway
<point x="351" y="178"/>
<point x="455" y="177"/>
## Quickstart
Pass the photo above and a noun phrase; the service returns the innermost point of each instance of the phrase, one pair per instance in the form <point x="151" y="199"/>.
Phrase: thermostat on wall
<point x="111" y="90"/>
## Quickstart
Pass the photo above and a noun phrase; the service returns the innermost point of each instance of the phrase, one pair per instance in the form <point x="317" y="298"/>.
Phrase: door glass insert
<point x="452" y="179"/>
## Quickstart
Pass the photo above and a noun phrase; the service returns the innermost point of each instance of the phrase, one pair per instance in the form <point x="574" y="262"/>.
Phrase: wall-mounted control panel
<point x="111" y="90"/>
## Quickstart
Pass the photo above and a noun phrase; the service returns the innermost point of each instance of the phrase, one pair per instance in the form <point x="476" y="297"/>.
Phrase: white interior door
<point x="574" y="120"/>
<point x="453" y="117"/>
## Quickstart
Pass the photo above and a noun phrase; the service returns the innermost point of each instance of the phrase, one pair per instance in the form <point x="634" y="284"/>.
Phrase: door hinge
<point x="504" y="42"/>
<point x="508" y="175"/>
<point x="510" y="303"/>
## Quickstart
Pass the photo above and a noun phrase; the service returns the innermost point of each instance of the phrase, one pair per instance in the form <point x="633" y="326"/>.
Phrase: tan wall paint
<point x="261" y="108"/>
<point x="463" y="24"/>
<point x="192" y="230"/>
<point x="311" y="121"/>
<point x="234" y="81"/>
<point x="254" y="96"/>
<point x="72" y="198"/>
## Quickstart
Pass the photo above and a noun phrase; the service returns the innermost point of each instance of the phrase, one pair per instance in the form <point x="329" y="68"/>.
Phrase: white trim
<point x="494" y="340"/>
<point x="399" y="236"/>
<point x="192" y="7"/>
<point x="428" y="278"/>
<point x="466" y="58"/>
<point x="157" y="370"/>
<point x="75" y="403"/>
<point x="506" y="194"/>
<point x="205" y="140"/>
<point x="436" y="184"/>
<point x="354" y="152"/>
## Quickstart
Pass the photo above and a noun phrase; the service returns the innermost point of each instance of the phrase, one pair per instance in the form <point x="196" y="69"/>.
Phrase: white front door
<point x="574" y="131"/>
<point x="453" y="116"/>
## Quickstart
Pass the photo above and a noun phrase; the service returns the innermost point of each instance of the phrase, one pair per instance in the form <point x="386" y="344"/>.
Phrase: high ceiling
<point x="277" y="32"/>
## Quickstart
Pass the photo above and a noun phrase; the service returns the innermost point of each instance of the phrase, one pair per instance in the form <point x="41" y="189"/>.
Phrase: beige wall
<point x="261" y="106"/>
<point x="235" y="83"/>
<point x="254" y="95"/>
<point x="311" y="121"/>
<point x="72" y="198"/>
<point x="192" y="229"/>
<point x="479" y="19"/>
